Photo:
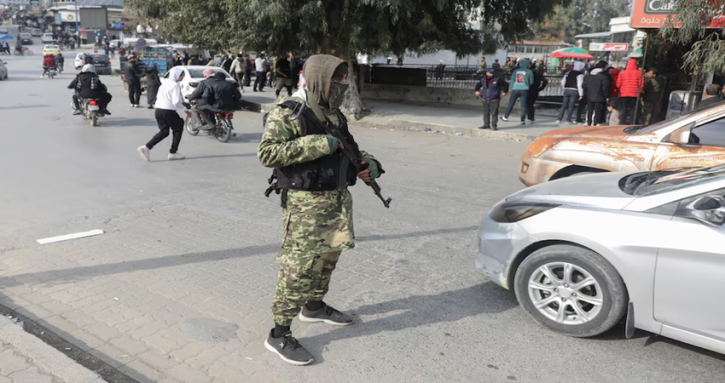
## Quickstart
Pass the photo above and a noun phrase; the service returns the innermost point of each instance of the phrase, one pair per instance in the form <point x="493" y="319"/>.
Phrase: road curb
<point x="43" y="355"/>
<point x="414" y="126"/>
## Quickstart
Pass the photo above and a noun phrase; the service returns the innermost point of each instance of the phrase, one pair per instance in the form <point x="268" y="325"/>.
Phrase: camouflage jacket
<point x="314" y="221"/>
<point x="283" y="144"/>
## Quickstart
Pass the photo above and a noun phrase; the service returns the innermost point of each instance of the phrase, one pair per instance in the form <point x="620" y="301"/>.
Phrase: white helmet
<point x="88" y="68"/>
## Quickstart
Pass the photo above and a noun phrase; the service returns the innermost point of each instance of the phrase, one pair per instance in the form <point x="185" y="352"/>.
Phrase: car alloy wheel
<point x="565" y="293"/>
<point x="571" y="290"/>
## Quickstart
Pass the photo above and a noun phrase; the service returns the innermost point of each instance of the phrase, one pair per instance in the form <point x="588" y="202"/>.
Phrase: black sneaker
<point x="289" y="349"/>
<point x="494" y="128"/>
<point x="326" y="314"/>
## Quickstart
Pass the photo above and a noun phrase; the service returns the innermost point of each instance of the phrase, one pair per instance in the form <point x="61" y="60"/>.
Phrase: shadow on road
<point x="421" y="310"/>
<point x="416" y="234"/>
<point x="87" y="272"/>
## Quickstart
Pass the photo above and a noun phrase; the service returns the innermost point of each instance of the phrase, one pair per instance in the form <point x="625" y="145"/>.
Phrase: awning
<point x="597" y="35"/>
<point x="572" y="55"/>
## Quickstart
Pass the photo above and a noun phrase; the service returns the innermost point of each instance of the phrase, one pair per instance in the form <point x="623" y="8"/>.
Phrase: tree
<point x="688" y="24"/>
<point x="344" y="28"/>
<point x="579" y="17"/>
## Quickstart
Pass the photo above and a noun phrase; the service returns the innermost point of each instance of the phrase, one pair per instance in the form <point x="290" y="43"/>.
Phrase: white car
<point x="3" y="70"/>
<point x="4" y="30"/>
<point x="193" y="74"/>
<point x="47" y="38"/>
<point x="584" y="252"/>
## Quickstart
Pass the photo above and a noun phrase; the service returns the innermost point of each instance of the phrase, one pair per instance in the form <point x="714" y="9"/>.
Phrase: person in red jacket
<point x="48" y="64"/>
<point x="613" y="90"/>
<point x="629" y="82"/>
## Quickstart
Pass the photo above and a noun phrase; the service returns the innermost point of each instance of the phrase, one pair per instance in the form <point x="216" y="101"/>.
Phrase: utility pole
<point x="78" y="29"/>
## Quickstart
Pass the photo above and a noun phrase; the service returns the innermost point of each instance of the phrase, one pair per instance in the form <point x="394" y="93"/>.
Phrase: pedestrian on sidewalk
<point x="629" y="84"/>
<point x="652" y="96"/>
<point x="521" y="79"/>
<point x="284" y="76"/>
<point x="712" y="96"/>
<point x="318" y="214"/>
<point x="596" y="91"/>
<point x="491" y="88"/>
<point x="613" y="113"/>
<point x="572" y="82"/>
<point x="261" y="72"/>
<point x="133" y="78"/>
<point x="540" y="82"/>
<point x="481" y="66"/>
<point x="496" y="65"/>
<point x="248" y="69"/>
<point x="168" y="102"/>
<point x="153" y="82"/>
<point x="238" y="69"/>
<point x="295" y="66"/>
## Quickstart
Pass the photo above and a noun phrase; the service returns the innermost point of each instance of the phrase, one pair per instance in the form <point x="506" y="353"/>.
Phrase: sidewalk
<point x="26" y="359"/>
<point x="441" y="120"/>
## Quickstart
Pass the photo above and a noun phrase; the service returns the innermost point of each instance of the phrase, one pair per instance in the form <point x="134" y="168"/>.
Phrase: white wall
<point x="448" y="57"/>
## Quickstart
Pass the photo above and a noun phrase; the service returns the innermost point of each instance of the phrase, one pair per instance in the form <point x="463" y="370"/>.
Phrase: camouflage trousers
<point x="303" y="277"/>
<point x="318" y="227"/>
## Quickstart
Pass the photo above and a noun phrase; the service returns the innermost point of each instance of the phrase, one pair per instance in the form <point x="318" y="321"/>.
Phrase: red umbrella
<point x="572" y="55"/>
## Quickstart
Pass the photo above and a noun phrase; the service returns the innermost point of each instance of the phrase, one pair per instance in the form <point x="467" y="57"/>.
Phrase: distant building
<point x="534" y="50"/>
<point x="619" y="33"/>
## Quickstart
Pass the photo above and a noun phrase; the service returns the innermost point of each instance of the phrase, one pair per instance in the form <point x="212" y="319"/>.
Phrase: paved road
<point x="179" y="287"/>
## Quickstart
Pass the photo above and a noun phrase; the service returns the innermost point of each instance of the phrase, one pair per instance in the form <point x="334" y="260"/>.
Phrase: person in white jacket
<point x="239" y="66"/>
<point x="168" y="103"/>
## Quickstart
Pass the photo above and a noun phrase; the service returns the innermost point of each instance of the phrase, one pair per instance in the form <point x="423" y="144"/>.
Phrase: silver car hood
<point x="595" y="190"/>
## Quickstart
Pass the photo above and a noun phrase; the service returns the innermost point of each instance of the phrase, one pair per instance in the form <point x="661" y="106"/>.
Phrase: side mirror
<point x="709" y="209"/>
<point x="680" y="136"/>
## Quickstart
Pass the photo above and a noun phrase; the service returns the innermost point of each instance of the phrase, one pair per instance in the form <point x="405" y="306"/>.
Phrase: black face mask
<point x="337" y="94"/>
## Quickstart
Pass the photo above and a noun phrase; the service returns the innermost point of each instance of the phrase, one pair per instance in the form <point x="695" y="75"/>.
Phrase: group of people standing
<point x="527" y="82"/>
<point x="604" y="89"/>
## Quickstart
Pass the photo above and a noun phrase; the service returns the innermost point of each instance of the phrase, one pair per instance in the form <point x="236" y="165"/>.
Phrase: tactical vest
<point x="331" y="172"/>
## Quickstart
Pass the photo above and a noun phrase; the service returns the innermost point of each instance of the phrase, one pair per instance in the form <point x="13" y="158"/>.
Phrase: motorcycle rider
<point x="199" y="114"/>
<point x="220" y="94"/>
<point x="88" y="85"/>
<point x="60" y="61"/>
<point x="48" y="64"/>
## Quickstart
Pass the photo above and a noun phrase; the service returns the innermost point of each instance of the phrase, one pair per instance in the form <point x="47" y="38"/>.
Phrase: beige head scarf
<point x="319" y="70"/>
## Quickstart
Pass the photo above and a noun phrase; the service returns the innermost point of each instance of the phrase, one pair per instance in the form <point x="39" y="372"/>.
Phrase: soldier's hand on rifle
<point x="334" y="143"/>
<point x="365" y="175"/>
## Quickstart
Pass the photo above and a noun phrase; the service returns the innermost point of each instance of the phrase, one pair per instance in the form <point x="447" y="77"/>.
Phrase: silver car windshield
<point x="641" y="129"/>
<point x="649" y="183"/>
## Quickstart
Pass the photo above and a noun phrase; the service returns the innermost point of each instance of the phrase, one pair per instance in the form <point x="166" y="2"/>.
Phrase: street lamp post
<point x="78" y="30"/>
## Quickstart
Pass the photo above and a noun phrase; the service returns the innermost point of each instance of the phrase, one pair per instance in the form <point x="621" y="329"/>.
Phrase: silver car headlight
<point x="510" y="212"/>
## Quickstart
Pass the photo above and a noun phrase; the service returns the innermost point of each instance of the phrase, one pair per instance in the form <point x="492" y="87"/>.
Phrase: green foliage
<point x="687" y="27"/>
<point x="344" y="27"/>
<point x="579" y="17"/>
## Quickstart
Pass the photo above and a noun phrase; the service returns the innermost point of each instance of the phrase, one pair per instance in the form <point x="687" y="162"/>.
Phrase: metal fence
<point x="466" y="77"/>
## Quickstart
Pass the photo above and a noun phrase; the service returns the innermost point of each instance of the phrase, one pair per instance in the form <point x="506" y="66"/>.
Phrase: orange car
<point x="693" y="139"/>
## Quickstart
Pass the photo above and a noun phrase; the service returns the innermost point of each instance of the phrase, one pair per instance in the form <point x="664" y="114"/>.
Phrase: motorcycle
<point x="24" y="52"/>
<point x="50" y="72"/>
<point x="222" y="128"/>
<point x="90" y="110"/>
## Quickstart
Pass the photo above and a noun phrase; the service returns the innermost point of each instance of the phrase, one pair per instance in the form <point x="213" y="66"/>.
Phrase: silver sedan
<point x="585" y="253"/>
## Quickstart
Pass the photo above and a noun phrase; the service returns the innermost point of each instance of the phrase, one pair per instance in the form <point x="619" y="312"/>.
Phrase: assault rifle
<point x="356" y="160"/>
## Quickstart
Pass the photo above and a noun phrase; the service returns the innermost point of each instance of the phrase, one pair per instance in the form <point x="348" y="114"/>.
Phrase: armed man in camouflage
<point x="312" y="178"/>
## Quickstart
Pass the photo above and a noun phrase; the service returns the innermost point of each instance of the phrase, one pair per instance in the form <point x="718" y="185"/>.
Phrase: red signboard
<point x="654" y="13"/>
<point x="608" y="47"/>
